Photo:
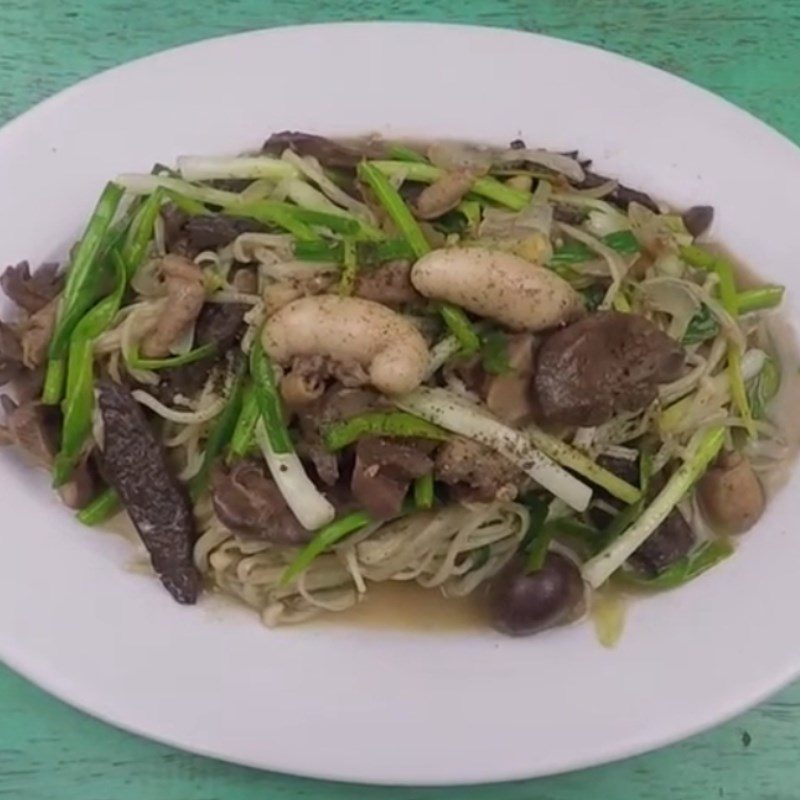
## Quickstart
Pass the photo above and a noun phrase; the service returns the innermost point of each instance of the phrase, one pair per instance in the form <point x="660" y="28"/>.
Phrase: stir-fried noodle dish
<point x="328" y="364"/>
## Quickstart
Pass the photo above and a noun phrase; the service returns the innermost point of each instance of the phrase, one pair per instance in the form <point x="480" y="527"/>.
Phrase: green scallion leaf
<point x="423" y="491"/>
<point x="494" y="352"/>
<point x="703" y="558"/>
<point x="379" y="423"/>
<point x="324" y="538"/>
<point x="702" y="327"/>
<point x="198" y="354"/>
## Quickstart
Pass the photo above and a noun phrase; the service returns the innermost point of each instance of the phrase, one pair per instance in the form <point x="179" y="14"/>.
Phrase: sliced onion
<point x="673" y="298"/>
<point x="565" y="165"/>
<point x="542" y="192"/>
<point x="146" y="281"/>
<point x="456" y="156"/>
<point x="601" y="223"/>
<point x="603" y="190"/>
<point x="727" y="323"/>
<point x="249" y="247"/>
<point x="306" y="196"/>
<point x="195" y="417"/>
<point x="669" y="264"/>
<point x="595" y="268"/>
<point x="654" y="231"/>
<point x="670" y="392"/>
<point x="281" y="190"/>
<point x="259" y="189"/>
<point x="183" y="344"/>
<point x="616" y="263"/>
<point x="312" y="170"/>
<point x="581" y="200"/>
<point x="498" y="222"/>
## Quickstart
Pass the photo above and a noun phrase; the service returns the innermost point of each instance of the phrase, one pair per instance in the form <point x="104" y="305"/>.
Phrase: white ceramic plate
<point x="378" y="705"/>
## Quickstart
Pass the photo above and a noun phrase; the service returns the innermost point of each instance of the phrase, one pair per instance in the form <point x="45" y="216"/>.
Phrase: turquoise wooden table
<point x="749" y="54"/>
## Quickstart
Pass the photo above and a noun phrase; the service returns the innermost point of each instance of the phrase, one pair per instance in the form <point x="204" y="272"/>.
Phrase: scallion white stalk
<point x="455" y="414"/>
<point x="147" y="184"/>
<point x="440" y="353"/>
<point x="574" y="459"/>
<point x="311" y="170"/>
<point x="306" y="196"/>
<point x="204" y="168"/>
<point x="702" y="450"/>
<point x="307" y="503"/>
<point x="617" y="265"/>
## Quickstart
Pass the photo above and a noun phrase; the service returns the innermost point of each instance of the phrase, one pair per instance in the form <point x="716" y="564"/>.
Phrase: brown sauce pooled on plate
<point x="406" y="606"/>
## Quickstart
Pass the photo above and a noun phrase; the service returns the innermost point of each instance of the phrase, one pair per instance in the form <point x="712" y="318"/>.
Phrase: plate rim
<point x="52" y="683"/>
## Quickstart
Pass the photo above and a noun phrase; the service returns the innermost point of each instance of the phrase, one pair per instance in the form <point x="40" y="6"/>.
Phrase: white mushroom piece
<point x="349" y="329"/>
<point x="512" y="291"/>
<point x="185" y="297"/>
<point x="36" y="333"/>
<point x="444" y="194"/>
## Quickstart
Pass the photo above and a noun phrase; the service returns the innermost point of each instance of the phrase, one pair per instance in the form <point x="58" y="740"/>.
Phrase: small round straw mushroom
<point x="349" y="329"/>
<point x="731" y="494"/>
<point x="304" y="383"/>
<point x="185" y="297"/>
<point x="499" y="285"/>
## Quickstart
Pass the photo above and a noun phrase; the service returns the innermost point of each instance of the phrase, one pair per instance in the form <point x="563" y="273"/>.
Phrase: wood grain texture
<point x="749" y="53"/>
